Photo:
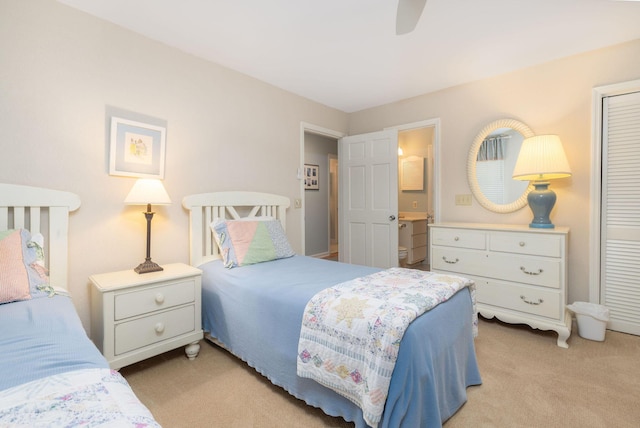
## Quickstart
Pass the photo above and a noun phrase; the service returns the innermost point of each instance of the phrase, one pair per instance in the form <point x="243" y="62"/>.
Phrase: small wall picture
<point x="137" y="149"/>
<point x="311" y="177"/>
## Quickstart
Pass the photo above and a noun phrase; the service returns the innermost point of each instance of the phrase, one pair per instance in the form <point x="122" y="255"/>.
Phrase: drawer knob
<point x="523" y="269"/>
<point x="521" y="243"/>
<point x="456" y="239"/>
<point x="451" y="262"/>
<point x="159" y="328"/>
<point x="159" y="298"/>
<point x="529" y="302"/>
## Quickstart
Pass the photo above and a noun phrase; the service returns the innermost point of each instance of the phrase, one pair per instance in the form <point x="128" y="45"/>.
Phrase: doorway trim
<point x="598" y="94"/>
<point x="435" y="123"/>
<point x="306" y="127"/>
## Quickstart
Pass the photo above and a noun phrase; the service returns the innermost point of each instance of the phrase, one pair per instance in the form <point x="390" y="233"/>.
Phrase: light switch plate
<point x="463" y="199"/>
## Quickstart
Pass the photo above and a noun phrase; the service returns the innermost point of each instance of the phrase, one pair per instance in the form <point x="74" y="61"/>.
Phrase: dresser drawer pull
<point x="456" y="239"/>
<point x="451" y="262"/>
<point x="523" y="269"/>
<point x="529" y="302"/>
<point x="159" y="328"/>
<point x="159" y="298"/>
<point x="521" y="243"/>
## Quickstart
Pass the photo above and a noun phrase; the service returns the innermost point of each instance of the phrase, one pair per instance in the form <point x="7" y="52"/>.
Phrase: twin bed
<point x="254" y="305"/>
<point x="256" y="311"/>
<point x="51" y="373"/>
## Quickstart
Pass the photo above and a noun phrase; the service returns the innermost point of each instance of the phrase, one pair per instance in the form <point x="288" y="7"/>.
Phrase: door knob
<point x="392" y="217"/>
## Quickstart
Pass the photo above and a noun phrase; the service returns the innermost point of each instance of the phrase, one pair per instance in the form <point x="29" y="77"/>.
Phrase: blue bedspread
<point x="43" y="337"/>
<point x="256" y="312"/>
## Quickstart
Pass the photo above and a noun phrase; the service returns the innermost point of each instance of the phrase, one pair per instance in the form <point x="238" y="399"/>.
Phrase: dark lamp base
<point x="148" y="266"/>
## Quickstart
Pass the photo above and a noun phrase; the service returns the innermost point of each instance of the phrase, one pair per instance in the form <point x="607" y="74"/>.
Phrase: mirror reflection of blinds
<point x="492" y="148"/>
<point x="490" y="175"/>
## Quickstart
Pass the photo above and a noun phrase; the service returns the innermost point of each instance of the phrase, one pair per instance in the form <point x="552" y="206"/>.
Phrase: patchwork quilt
<point x="351" y="332"/>
<point x="82" y="398"/>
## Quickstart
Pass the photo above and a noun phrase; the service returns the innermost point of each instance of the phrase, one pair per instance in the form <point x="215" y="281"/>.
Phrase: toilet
<point x="402" y="256"/>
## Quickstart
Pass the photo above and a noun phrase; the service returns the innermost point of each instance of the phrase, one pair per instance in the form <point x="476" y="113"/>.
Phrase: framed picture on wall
<point x="137" y="149"/>
<point x="311" y="177"/>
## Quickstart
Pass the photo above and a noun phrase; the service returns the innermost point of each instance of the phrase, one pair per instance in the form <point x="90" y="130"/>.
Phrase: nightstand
<point x="137" y="316"/>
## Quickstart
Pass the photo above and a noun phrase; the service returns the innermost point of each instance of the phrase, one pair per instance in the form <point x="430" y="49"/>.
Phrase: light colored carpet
<point x="527" y="382"/>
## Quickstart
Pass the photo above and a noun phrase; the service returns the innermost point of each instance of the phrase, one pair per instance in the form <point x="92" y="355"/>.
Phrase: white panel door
<point x="368" y="206"/>
<point x="620" y="234"/>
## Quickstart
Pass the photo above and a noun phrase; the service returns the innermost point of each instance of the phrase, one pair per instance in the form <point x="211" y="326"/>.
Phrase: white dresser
<point x="520" y="272"/>
<point x="136" y="316"/>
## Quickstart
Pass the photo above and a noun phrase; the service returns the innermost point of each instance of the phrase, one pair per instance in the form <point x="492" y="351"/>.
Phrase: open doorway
<point x="333" y="206"/>
<point x="321" y="197"/>
<point x="415" y="195"/>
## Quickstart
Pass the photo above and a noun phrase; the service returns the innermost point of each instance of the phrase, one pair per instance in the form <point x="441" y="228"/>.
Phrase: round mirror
<point x="492" y="157"/>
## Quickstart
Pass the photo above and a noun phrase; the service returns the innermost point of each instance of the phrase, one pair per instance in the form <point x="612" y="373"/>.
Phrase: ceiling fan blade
<point x="408" y="15"/>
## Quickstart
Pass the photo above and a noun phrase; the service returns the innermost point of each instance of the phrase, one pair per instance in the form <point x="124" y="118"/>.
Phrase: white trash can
<point x="592" y="319"/>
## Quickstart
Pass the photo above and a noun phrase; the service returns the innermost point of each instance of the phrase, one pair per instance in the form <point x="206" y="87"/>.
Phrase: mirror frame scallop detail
<point x="471" y="166"/>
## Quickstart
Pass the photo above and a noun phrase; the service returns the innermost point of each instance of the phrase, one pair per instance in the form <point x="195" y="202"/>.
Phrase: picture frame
<point x="311" y="177"/>
<point x="137" y="149"/>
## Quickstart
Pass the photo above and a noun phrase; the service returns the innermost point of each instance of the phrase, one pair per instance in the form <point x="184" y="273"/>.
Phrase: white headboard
<point x="205" y="207"/>
<point x="45" y="211"/>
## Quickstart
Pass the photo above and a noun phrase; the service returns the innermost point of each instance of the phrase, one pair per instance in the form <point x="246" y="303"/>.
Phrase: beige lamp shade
<point x="147" y="191"/>
<point x="541" y="158"/>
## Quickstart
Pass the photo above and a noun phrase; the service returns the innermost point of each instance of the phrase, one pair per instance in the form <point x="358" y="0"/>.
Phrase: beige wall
<point x="61" y="68"/>
<point x="554" y="98"/>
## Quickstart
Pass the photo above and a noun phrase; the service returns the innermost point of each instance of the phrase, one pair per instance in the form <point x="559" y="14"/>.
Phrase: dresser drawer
<point x="419" y="226"/>
<point x="524" y="269"/>
<point x="419" y="240"/>
<point x="457" y="260"/>
<point x="419" y="253"/>
<point x="145" y="331"/>
<point x="151" y="299"/>
<point x="521" y="243"/>
<point x="458" y="238"/>
<point x="531" y="300"/>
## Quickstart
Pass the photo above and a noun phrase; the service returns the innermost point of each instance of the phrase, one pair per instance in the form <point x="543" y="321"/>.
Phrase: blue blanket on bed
<point x="43" y="337"/>
<point x="256" y="312"/>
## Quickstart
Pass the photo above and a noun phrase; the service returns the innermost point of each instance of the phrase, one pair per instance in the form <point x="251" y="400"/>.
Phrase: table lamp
<point x="147" y="191"/>
<point x="541" y="159"/>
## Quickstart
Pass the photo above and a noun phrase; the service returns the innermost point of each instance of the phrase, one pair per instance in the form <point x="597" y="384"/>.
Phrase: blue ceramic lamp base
<point x="541" y="201"/>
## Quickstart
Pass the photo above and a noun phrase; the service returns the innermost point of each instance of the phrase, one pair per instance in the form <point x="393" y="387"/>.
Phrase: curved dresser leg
<point x="563" y="335"/>
<point x="192" y="350"/>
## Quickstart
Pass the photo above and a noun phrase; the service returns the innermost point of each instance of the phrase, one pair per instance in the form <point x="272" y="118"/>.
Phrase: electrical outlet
<point x="297" y="203"/>
<point x="415" y="204"/>
<point x="463" y="199"/>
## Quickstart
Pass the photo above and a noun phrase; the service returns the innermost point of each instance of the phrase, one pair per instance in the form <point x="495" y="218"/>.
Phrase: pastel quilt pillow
<point x="14" y="277"/>
<point x="246" y="242"/>
<point x="22" y="266"/>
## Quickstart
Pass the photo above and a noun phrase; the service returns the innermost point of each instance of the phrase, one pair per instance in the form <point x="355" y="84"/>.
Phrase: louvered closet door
<point x="620" y="257"/>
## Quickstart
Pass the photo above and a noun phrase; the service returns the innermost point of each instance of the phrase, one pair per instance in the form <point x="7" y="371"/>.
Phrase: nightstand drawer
<point x="129" y="304"/>
<point x="142" y="332"/>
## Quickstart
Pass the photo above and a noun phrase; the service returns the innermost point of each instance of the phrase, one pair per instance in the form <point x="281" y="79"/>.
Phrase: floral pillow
<point x="246" y="242"/>
<point x="21" y="275"/>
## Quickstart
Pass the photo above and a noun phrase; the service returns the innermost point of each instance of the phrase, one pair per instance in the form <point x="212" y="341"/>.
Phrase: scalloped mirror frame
<point x="471" y="166"/>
